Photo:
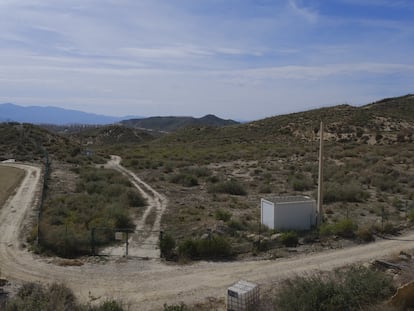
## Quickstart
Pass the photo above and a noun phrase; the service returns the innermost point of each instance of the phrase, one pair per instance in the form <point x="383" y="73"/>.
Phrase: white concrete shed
<point x="288" y="213"/>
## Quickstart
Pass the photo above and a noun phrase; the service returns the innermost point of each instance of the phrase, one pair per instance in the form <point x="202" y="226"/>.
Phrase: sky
<point x="239" y="59"/>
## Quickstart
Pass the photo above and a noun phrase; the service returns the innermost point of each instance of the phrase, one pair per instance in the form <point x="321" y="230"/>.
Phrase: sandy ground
<point x="148" y="284"/>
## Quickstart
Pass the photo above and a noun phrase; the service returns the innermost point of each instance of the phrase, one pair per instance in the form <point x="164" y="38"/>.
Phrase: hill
<point x="112" y="134"/>
<point x="169" y="124"/>
<point x="383" y="122"/>
<point x="51" y="115"/>
<point x="369" y="167"/>
<point x="28" y="142"/>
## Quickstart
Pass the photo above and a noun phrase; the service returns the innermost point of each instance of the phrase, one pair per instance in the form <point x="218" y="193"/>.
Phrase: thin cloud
<point x="307" y="13"/>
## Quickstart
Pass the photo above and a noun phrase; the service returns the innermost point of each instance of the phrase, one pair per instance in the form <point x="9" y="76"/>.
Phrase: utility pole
<point x="320" y="177"/>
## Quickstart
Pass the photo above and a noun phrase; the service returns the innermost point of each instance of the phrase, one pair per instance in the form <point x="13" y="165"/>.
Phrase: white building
<point x="289" y="213"/>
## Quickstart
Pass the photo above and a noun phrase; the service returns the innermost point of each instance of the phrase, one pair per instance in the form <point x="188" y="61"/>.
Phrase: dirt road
<point x="148" y="284"/>
<point x="144" y="242"/>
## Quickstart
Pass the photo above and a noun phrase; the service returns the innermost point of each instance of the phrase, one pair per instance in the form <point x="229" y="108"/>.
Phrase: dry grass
<point x="10" y="178"/>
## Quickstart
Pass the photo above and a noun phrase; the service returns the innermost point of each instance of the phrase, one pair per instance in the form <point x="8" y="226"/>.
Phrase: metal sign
<point x="119" y="236"/>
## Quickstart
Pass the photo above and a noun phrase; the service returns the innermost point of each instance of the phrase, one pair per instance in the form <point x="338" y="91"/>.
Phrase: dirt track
<point x="148" y="284"/>
<point x="143" y="243"/>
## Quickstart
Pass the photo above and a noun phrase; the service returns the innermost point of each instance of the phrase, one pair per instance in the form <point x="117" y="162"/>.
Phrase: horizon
<point x="131" y="117"/>
<point x="242" y="60"/>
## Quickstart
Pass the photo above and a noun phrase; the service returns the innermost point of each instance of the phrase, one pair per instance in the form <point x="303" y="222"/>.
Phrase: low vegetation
<point x="352" y="288"/>
<point x="214" y="177"/>
<point x="35" y="297"/>
<point x="341" y="290"/>
<point x="102" y="199"/>
<point x="213" y="247"/>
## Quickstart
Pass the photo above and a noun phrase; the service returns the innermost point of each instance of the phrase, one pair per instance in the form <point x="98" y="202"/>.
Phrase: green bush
<point x="110" y="305"/>
<point x="365" y="234"/>
<point x="335" y="192"/>
<point x="230" y="187"/>
<point x="34" y="297"/>
<point x="135" y="198"/>
<point x="215" y="247"/>
<point x="180" y="307"/>
<point x="301" y="182"/>
<point x="410" y="215"/>
<point x="185" y="180"/>
<point x="325" y="229"/>
<point x="289" y="239"/>
<point x="344" y="228"/>
<point x="349" y="290"/>
<point x="223" y="215"/>
<point x="236" y="225"/>
<point x="167" y="246"/>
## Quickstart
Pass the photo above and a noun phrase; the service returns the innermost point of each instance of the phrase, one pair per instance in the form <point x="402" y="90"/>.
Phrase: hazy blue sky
<point x="240" y="59"/>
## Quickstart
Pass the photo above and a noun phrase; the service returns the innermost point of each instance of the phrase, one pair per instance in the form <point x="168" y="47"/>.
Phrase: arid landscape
<point x="199" y="189"/>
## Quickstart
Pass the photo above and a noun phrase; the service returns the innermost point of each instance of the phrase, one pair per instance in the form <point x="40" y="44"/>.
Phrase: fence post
<point x="93" y="241"/>
<point x="126" y="245"/>
<point x="160" y="243"/>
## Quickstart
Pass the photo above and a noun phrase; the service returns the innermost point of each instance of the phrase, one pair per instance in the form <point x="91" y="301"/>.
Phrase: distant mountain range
<point x="63" y="117"/>
<point x="53" y="115"/>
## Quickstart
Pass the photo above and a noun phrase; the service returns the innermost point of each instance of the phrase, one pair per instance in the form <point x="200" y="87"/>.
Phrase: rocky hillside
<point x="384" y="122"/>
<point x="112" y="134"/>
<point x="169" y="124"/>
<point x="27" y="142"/>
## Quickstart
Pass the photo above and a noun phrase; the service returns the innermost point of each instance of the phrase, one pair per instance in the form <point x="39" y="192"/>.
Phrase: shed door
<point x="268" y="213"/>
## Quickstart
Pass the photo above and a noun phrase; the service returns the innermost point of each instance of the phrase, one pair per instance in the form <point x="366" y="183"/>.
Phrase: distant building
<point x="288" y="213"/>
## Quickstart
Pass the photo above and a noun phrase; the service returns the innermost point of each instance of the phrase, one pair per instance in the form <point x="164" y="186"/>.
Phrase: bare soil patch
<point x="10" y="178"/>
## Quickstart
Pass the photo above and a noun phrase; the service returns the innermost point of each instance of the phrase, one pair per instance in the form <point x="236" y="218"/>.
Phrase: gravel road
<point x="148" y="284"/>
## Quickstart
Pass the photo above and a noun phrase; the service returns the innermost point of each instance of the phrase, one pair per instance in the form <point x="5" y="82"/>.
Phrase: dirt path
<point x="148" y="284"/>
<point x="143" y="243"/>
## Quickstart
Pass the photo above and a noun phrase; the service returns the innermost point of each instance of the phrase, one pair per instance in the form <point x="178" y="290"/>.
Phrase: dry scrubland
<point x="214" y="179"/>
<point x="10" y="177"/>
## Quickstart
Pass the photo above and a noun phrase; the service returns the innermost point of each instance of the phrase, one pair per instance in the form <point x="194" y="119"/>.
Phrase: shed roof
<point x="288" y="199"/>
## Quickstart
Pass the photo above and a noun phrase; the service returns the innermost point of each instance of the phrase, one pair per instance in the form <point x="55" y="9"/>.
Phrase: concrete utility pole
<point x="320" y="177"/>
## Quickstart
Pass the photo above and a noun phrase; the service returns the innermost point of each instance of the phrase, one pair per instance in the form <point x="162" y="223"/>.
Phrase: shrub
<point x="230" y="187"/>
<point x="110" y="305"/>
<point x="223" y="215"/>
<point x="185" y="180"/>
<point x="35" y="297"/>
<point x="365" y="234"/>
<point x="301" y="182"/>
<point x="266" y="188"/>
<point x="335" y="192"/>
<point x="337" y="291"/>
<point x="215" y="247"/>
<point x="325" y="229"/>
<point x="180" y="307"/>
<point x="135" y="198"/>
<point x="344" y="228"/>
<point x="236" y="225"/>
<point x="167" y="246"/>
<point x="410" y="215"/>
<point x="289" y="239"/>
